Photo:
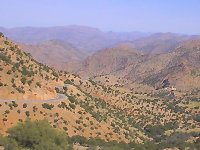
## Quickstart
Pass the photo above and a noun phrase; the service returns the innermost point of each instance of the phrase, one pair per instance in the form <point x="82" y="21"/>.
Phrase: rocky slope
<point x="179" y="68"/>
<point x="183" y="68"/>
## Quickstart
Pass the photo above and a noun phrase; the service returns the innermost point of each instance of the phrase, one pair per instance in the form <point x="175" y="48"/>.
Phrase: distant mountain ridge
<point x="159" y="43"/>
<point x="84" y="38"/>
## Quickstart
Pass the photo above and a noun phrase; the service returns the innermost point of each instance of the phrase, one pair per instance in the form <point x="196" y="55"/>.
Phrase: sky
<point x="178" y="16"/>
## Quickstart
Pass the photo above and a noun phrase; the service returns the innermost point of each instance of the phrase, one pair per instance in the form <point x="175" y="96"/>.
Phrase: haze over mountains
<point x="82" y="37"/>
<point x="159" y="42"/>
<point x="60" y="47"/>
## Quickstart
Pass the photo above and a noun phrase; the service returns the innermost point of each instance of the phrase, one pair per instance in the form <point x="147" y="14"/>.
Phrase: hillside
<point x="107" y="61"/>
<point x="82" y="37"/>
<point x="158" y="43"/>
<point x="183" y="68"/>
<point x="54" y="53"/>
<point x="180" y="67"/>
<point x="21" y="77"/>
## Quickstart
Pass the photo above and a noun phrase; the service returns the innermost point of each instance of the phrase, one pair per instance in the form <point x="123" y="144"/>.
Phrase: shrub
<point x="5" y="58"/>
<point x="55" y="74"/>
<point x="72" y="106"/>
<point x="29" y="82"/>
<point x="47" y="106"/>
<point x="78" y="121"/>
<point x="67" y="81"/>
<point x="23" y="80"/>
<point x="24" y="105"/>
<point x="9" y="72"/>
<point x="20" y="90"/>
<point x="38" y="84"/>
<point x="18" y="111"/>
<point x="27" y="113"/>
<point x="25" y="72"/>
<point x="7" y="112"/>
<point x="35" y="108"/>
<point x="14" y="104"/>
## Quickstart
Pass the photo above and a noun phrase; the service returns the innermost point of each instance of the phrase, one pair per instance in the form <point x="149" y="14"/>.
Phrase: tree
<point x="8" y="144"/>
<point x="37" y="135"/>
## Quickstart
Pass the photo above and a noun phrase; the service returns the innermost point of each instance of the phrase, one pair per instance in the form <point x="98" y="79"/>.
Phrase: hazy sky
<point x="181" y="16"/>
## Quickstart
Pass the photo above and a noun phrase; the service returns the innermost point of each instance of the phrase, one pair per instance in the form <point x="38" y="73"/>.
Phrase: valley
<point x="119" y="96"/>
<point x="99" y="75"/>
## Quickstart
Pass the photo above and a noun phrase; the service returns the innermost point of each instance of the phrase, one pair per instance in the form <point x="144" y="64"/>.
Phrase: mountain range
<point x="159" y="42"/>
<point x="63" y="47"/>
<point x="82" y="37"/>
<point x="179" y="68"/>
<point x="116" y="98"/>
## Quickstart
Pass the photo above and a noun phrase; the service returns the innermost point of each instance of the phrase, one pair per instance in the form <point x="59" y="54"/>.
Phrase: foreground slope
<point x="21" y="77"/>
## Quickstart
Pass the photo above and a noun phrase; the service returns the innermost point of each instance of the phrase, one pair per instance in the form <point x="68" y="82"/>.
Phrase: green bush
<point x="23" y="80"/>
<point x="9" y="72"/>
<point x="47" y="106"/>
<point x="27" y="113"/>
<point x="68" y="81"/>
<point x="72" y="106"/>
<point x="38" y="135"/>
<point x="20" y="90"/>
<point x="8" y="143"/>
<point x="38" y="84"/>
<point x="5" y="58"/>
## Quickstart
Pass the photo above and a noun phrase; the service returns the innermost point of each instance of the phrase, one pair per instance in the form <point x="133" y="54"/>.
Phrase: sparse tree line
<point x="39" y="135"/>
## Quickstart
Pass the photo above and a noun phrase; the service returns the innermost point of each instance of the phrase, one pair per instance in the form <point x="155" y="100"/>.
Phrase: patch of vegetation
<point x="47" y="106"/>
<point x="67" y="81"/>
<point x="35" y="135"/>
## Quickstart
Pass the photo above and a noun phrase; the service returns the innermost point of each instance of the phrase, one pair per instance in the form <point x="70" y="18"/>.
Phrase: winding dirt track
<point x="60" y="97"/>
